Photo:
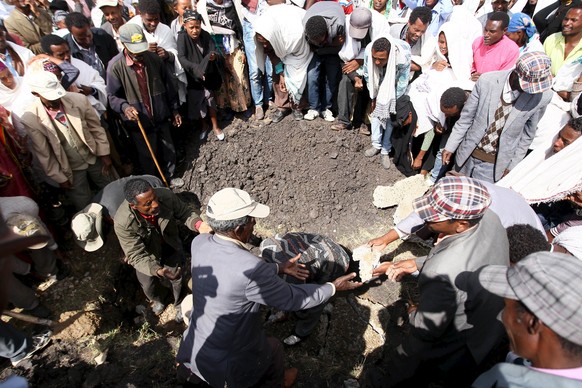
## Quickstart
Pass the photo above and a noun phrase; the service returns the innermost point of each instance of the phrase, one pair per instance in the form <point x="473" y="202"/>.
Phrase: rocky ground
<point x="315" y="180"/>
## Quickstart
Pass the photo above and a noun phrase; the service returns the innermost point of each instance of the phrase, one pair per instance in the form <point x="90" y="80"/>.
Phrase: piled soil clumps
<point x="314" y="179"/>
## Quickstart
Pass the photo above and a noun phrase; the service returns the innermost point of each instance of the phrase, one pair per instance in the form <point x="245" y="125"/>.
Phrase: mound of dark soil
<point x="314" y="179"/>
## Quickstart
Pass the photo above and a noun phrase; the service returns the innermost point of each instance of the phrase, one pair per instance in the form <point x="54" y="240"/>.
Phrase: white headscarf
<point x="282" y="26"/>
<point x="544" y="176"/>
<point x="16" y="100"/>
<point x="571" y="239"/>
<point x="460" y="53"/>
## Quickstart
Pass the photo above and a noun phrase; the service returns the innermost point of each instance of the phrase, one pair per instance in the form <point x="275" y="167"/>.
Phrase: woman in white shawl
<point x="452" y="67"/>
<point x="15" y="57"/>
<point x="281" y="26"/>
<point x="547" y="176"/>
<point x="15" y="96"/>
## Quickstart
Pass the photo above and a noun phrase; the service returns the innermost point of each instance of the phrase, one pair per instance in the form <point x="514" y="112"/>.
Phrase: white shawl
<point x="282" y="26"/>
<point x="385" y="92"/>
<point x="90" y="77"/>
<point x="547" y="177"/>
<point x="571" y="239"/>
<point x="16" y="100"/>
<point x="24" y="54"/>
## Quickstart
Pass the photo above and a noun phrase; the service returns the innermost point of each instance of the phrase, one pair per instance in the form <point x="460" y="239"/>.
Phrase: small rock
<point x="140" y="309"/>
<point x="100" y="359"/>
<point x="351" y="383"/>
<point x="313" y="214"/>
<point x="333" y="155"/>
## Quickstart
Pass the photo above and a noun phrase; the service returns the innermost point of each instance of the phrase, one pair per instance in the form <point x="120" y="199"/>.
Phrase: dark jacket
<point x="123" y="89"/>
<point x="196" y="63"/>
<point x="105" y="46"/>
<point x="142" y="242"/>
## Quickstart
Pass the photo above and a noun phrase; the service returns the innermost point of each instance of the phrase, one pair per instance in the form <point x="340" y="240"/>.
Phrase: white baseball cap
<point x="230" y="204"/>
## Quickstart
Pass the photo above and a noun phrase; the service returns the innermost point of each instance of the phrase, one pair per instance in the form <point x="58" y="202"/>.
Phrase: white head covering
<point x="544" y="176"/>
<point x="16" y="100"/>
<point x="571" y="239"/>
<point x="282" y="26"/>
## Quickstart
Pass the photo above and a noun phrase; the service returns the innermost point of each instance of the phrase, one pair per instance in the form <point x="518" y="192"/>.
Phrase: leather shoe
<point x="371" y="152"/>
<point x="385" y="161"/>
<point x="40" y="311"/>
<point x="297" y="115"/>
<point x="278" y="116"/>
<point x="364" y="130"/>
<point x="339" y="127"/>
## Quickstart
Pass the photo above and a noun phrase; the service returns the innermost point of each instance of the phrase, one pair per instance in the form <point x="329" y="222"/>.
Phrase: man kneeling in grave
<point x="324" y="259"/>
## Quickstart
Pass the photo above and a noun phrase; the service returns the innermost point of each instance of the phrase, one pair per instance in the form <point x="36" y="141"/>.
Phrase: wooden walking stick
<point x="145" y="137"/>
<point x="28" y="318"/>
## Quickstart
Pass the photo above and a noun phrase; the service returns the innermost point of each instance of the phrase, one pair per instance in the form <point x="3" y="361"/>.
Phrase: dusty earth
<point x="315" y="180"/>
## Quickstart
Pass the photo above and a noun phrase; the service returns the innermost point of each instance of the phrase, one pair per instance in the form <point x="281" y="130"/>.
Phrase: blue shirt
<point x="440" y="13"/>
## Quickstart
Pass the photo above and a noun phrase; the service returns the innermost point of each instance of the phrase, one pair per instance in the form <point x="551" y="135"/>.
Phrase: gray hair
<point x="224" y="226"/>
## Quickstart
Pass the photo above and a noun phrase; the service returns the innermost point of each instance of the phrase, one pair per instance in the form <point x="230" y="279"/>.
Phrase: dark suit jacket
<point x="105" y="46"/>
<point x="454" y="310"/>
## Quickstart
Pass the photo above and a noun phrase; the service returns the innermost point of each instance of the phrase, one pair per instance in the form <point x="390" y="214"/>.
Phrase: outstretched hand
<point x="344" y="283"/>
<point x="398" y="270"/>
<point x="292" y="268"/>
<point x="378" y="244"/>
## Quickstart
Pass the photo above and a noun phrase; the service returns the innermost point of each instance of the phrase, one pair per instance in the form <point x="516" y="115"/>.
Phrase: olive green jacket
<point x="142" y="242"/>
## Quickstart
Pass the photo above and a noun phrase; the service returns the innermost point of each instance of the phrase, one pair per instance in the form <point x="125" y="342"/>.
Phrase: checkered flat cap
<point x="548" y="284"/>
<point x="533" y="70"/>
<point x="453" y="198"/>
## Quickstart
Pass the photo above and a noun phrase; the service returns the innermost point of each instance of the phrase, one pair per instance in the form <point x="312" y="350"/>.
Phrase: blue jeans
<point x="436" y="173"/>
<point x="381" y="135"/>
<point x="330" y="66"/>
<point x="255" y="75"/>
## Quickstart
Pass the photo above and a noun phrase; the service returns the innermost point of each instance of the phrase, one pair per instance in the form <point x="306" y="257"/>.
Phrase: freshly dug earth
<point x="315" y="180"/>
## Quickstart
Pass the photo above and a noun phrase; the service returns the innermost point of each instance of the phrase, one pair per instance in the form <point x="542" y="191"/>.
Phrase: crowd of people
<point x="481" y="98"/>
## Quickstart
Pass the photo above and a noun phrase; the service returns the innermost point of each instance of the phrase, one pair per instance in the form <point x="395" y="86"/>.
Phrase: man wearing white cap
<point x="542" y="317"/>
<point x="225" y="341"/>
<point x="113" y="14"/>
<point x="67" y="138"/>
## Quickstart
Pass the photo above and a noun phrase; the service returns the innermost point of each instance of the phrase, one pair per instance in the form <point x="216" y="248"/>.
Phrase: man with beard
<point x="422" y="46"/>
<point x="566" y="46"/>
<point x="91" y="45"/>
